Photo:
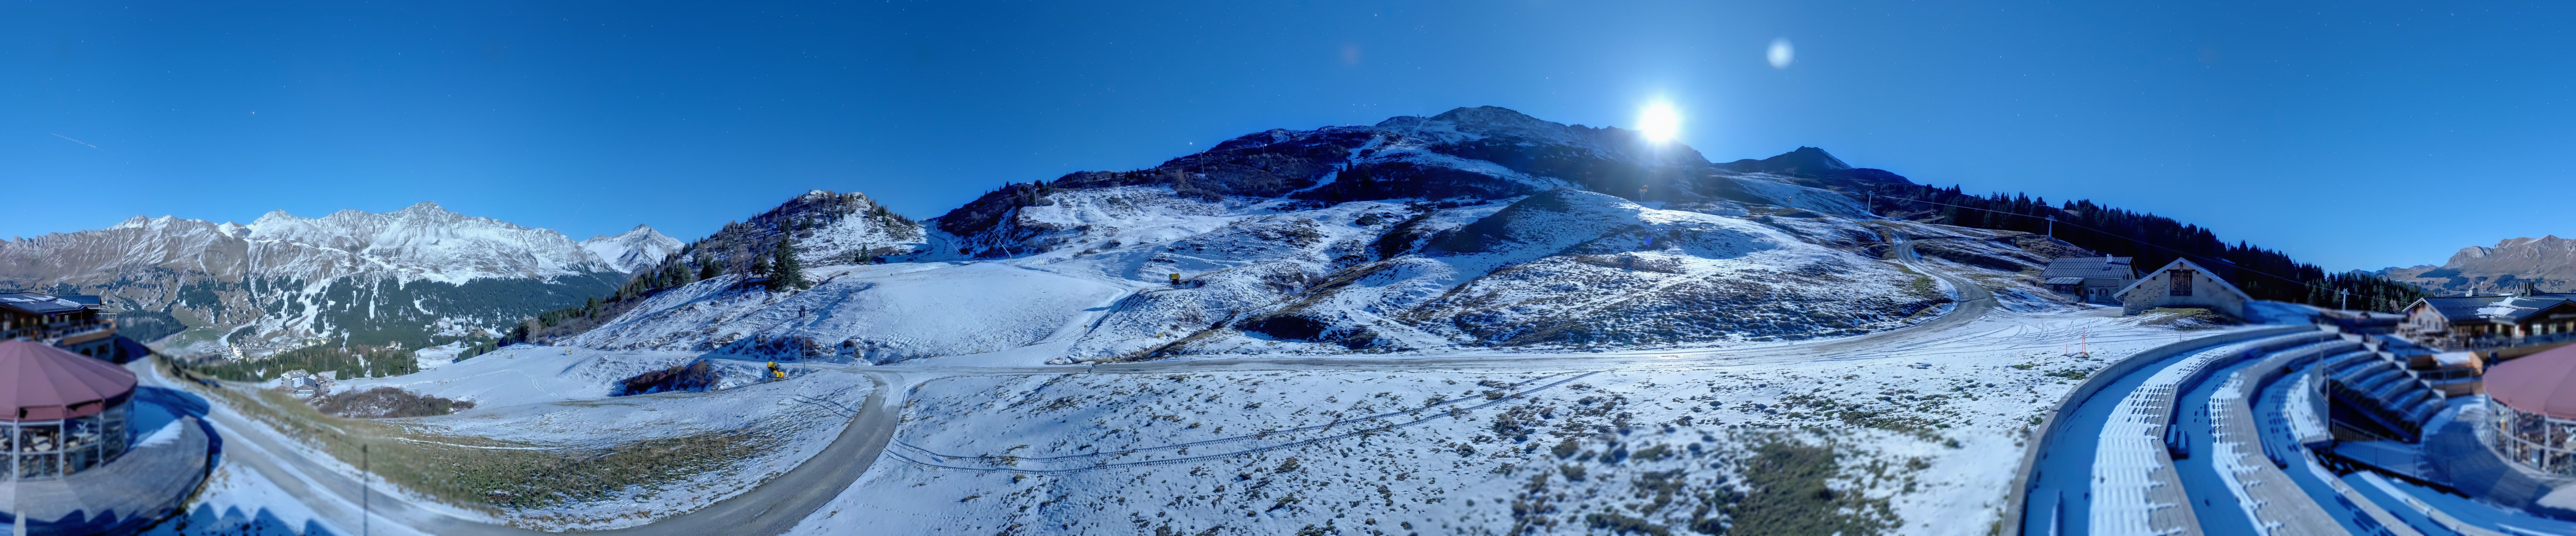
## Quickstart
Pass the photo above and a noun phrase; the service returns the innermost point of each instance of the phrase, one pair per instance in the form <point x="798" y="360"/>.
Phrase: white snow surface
<point x="1931" y="429"/>
<point x="1565" y="268"/>
<point x="873" y="313"/>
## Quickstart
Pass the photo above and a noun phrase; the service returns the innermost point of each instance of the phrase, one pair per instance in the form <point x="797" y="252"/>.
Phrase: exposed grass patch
<point x="2184" y="318"/>
<point x="1789" y="493"/>
<point x="2071" y="373"/>
<point x="387" y="403"/>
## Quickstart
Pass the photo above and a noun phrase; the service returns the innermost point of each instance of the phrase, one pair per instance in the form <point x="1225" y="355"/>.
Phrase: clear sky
<point x="2352" y="136"/>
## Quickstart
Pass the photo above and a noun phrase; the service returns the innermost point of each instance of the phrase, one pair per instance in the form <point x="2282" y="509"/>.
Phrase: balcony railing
<point x="57" y="331"/>
<point x="2455" y="343"/>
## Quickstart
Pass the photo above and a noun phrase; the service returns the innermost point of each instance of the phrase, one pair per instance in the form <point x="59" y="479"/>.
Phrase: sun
<point x="1659" y="122"/>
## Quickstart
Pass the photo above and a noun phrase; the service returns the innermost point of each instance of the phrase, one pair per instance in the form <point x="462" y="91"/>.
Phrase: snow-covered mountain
<point x="634" y="250"/>
<point x="407" y="276"/>
<point x="2548" y="261"/>
<point x="1479" y="227"/>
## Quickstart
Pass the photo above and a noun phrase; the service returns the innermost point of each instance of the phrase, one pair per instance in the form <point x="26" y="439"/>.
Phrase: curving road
<point x="772" y="508"/>
<point x="779" y="504"/>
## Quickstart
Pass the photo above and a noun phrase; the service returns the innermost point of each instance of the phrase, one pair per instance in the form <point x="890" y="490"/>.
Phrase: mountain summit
<point x="634" y="250"/>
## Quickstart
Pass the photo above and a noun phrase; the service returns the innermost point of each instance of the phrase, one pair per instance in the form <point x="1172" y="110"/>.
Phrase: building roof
<point x="2501" y="308"/>
<point x="2543" y="383"/>
<point x="39" y="382"/>
<point x="38" y="304"/>
<point x="2064" y="280"/>
<point x="2186" y="265"/>
<point x="2106" y="266"/>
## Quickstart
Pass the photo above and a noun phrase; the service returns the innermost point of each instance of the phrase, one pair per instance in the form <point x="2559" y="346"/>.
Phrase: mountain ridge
<point x="1476" y="227"/>
<point x="2547" y="262"/>
<point x="413" y="276"/>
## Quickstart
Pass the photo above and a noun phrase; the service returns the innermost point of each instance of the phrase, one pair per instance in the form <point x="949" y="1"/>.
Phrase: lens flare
<point x="1659" y="122"/>
<point x="1781" y="53"/>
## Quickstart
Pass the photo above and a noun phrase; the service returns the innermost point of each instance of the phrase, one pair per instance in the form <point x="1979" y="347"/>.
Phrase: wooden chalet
<point x="2091" y="279"/>
<point x="71" y="322"/>
<point x="2525" y="318"/>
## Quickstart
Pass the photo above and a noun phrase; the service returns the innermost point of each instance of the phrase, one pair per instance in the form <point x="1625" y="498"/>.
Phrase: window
<point x="2179" y="283"/>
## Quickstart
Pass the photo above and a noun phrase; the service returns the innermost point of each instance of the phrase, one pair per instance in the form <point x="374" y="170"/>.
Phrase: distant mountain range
<point x="2548" y="262"/>
<point x="417" y="276"/>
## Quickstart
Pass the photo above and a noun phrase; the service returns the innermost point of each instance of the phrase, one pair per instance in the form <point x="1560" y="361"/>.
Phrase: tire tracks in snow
<point x="1001" y="466"/>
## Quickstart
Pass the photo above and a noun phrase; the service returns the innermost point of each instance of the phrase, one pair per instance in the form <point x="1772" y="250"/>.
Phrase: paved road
<point x="772" y="508"/>
<point x="776" y="506"/>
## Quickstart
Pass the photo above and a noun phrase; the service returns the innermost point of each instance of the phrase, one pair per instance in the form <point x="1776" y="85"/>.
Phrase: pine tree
<point x="707" y="268"/>
<point x="789" y="272"/>
<point x="760" y="268"/>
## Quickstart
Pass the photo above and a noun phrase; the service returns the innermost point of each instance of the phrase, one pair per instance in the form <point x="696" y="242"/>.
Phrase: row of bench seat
<point x="2382" y="391"/>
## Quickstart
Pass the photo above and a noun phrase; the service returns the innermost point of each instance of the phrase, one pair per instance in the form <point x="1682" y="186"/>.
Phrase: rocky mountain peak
<point x="2549" y="261"/>
<point x="634" y="250"/>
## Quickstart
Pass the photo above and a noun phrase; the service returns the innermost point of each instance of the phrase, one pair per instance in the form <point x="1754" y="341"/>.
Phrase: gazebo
<point x="60" y="412"/>
<point x="2535" y="417"/>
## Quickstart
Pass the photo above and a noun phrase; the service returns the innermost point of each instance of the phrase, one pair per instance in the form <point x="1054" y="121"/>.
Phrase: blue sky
<point x="2353" y="136"/>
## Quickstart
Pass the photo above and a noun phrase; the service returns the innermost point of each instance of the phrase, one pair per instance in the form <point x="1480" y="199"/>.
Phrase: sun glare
<point x="1659" y="122"/>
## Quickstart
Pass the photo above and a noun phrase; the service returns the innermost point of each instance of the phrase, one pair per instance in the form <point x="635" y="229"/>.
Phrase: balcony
<point x="2444" y="342"/>
<point x="65" y="333"/>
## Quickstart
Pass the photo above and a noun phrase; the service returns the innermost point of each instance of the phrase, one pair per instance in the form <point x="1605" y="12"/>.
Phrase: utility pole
<point x="363" y="493"/>
<point x="2343" y="299"/>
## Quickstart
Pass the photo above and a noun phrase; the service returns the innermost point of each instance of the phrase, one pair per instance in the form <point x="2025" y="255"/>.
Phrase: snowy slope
<point x="1476" y="228"/>
<point x="634" y="250"/>
<point x="874" y="313"/>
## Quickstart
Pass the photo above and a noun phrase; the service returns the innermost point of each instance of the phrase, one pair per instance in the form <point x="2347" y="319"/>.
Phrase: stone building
<point x="2183" y="284"/>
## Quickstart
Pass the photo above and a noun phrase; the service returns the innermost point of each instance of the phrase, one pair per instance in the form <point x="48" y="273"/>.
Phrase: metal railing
<point x="2455" y="343"/>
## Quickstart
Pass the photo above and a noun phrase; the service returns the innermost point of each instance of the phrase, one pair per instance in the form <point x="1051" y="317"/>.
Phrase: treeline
<point x="761" y="249"/>
<point x="476" y="349"/>
<point x="2153" y="240"/>
<point x="352" y="362"/>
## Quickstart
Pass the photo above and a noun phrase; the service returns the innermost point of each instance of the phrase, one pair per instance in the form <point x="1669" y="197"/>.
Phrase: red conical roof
<point x="39" y="382"/>
<point x="2543" y="383"/>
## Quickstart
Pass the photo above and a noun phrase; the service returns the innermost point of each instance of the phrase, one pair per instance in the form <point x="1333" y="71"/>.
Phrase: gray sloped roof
<point x="2112" y="267"/>
<point x="2501" y="309"/>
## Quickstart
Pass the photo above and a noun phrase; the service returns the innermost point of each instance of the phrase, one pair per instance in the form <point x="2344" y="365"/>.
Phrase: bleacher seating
<point x="2380" y="390"/>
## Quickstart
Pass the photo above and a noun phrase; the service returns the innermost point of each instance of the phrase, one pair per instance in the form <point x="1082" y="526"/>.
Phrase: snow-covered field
<point x="1921" y="440"/>
<point x="539" y="401"/>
